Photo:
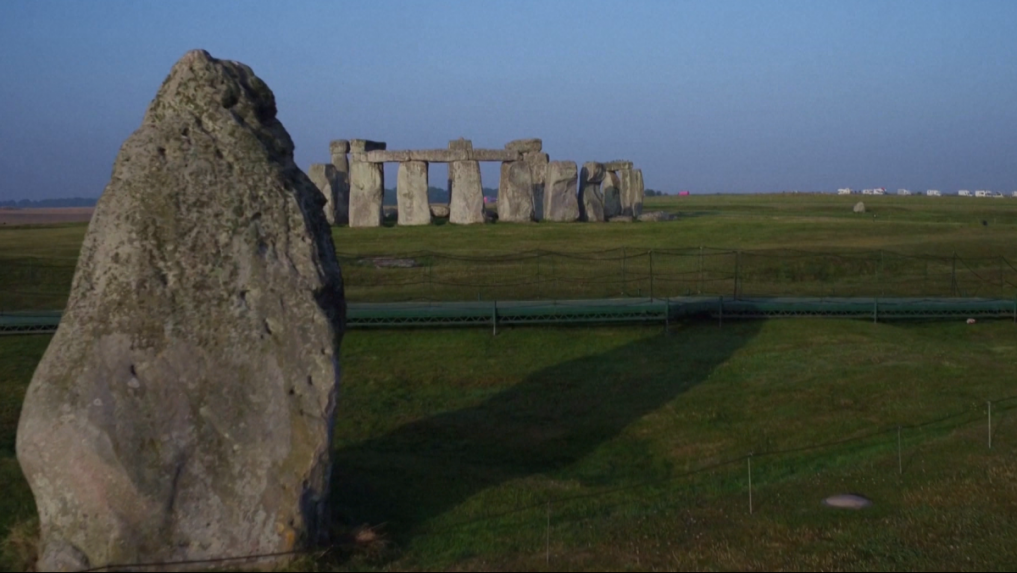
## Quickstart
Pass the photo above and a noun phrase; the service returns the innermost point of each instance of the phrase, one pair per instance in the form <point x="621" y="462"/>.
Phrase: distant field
<point x="622" y="448"/>
<point x="744" y="245"/>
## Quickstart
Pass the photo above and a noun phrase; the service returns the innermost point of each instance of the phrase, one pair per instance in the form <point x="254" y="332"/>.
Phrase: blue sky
<point x="720" y="96"/>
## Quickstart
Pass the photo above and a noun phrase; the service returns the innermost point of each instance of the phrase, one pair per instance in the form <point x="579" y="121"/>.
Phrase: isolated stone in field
<point x="184" y="408"/>
<point x="859" y="207"/>
<point x="655" y="216"/>
<point x="466" y="204"/>
<point x="560" y="199"/>
<point x="439" y="210"/>
<point x="847" y="501"/>
<point x="515" y="193"/>
<point x="411" y="193"/>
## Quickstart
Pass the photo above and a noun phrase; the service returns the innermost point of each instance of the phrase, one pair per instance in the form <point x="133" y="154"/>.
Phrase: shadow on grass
<point x="545" y="425"/>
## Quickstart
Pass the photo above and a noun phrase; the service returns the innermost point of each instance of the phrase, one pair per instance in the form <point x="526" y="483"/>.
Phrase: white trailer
<point x="879" y="191"/>
<point x="903" y="192"/>
<point x="844" y="191"/>
<point x="933" y="193"/>
<point x="964" y="193"/>
<point x="983" y="193"/>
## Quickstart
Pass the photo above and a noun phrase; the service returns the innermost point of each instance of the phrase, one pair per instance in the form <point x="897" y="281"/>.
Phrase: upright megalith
<point x="326" y="179"/>
<point x="560" y="199"/>
<point x="367" y="192"/>
<point x="591" y="201"/>
<point x="183" y="410"/>
<point x="341" y="190"/>
<point x="610" y="189"/>
<point x="411" y="194"/>
<point x="637" y="192"/>
<point x="537" y="162"/>
<point x="466" y="204"/>
<point x="515" y="193"/>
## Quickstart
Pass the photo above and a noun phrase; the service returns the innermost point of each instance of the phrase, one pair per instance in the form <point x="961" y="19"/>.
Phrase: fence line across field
<point x="561" y="510"/>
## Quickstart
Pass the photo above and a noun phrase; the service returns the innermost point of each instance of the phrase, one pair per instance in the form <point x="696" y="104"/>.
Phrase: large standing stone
<point x="627" y="179"/>
<point x="560" y="199"/>
<point x="466" y="205"/>
<point x="326" y="179"/>
<point x="611" y="191"/>
<point x="591" y="201"/>
<point x="638" y="192"/>
<point x="184" y="408"/>
<point x="341" y="185"/>
<point x="367" y="194"/>
<point x="515" y="193"/>
<point x="411" y="194"/>
<point x="538" y="171"/>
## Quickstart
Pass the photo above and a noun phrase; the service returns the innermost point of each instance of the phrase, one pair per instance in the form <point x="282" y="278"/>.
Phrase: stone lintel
<point x="364" y="145"/>
<point x="437" y="155"/>
<point x="617" y="165"/>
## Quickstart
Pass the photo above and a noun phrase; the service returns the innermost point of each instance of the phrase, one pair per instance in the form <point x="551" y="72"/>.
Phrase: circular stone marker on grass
<point x="847" y="501"/>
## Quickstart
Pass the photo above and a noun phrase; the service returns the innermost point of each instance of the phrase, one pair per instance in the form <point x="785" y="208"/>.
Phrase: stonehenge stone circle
<point x="560" y="200"/>
<point x="439" y="210"/>
<point x="466" y="202"/>
<point x="859" y="207"/>
<point x="611" y="191"/>
<point x="184" y="408"/>
<point x="367" y="194"/>
<point x="411" y="194"/>
<point x="515" y="193"/>
<point x="591" y="201"/>
<point x="605" y="190"/>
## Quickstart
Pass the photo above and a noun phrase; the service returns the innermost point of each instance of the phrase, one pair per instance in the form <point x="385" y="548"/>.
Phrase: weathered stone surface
<point x="341" y="187"/>
<point x="525" y="145"/>
<point x="460" y="144"/>
<point x="638" y="192"/>
<point x="367" y="192"/>
<point x="466" y="205"/>
<point x="655" y="216"/>
<point x="611" y="191"/>
<point x="538" y="171"/>
<point x="617" y="165"/>
<point x="411" y="193"/>
<point x="183" y="410"/>
<point x="631" y="191"/>
<point x="859" y="207"/>
<point x="515" y="193"/>
<point x="591" y="201"/>
<point x="439" y="210"/>
<point x="339" y="147"/>
<point x="365" y="145"/>
<point x="437" y="155"/>
<point x="560" y="197"/>
<point x="326" y="179"/>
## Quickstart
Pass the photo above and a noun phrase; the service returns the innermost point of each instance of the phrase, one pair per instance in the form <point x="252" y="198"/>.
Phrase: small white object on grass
<point x="971" y="321"/>
<point x="847" y="501"/>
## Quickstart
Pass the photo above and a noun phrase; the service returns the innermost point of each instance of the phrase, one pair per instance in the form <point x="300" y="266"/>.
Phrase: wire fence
<point x="43" y="284"/>
<point x="547" y="529"/>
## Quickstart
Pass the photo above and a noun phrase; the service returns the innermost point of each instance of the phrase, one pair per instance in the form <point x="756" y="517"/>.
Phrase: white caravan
<point x="933" y="193"/>
<point x="964" y="193"/>
<point x="844" y="191"/>
<point x="903" y="192"/>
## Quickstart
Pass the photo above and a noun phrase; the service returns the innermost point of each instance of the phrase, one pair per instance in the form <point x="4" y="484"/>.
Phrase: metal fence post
<point x="738" y="264"/>
<point x="625" y="284"/>
<point x="953" y="275"/>
<point x="651" y="274"/>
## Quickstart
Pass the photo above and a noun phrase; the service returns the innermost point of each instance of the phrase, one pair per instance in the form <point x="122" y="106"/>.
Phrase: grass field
<point x="622" y="448"/>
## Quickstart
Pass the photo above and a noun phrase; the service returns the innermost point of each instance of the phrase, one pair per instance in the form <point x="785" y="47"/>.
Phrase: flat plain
<point x="566" y="448"/>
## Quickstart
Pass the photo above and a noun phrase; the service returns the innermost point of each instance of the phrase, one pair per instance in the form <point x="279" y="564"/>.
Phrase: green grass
<point x="465" y="446"/>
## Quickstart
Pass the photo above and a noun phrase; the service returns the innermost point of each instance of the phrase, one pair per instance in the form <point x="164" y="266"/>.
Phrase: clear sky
<point x="712" y="96"/>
